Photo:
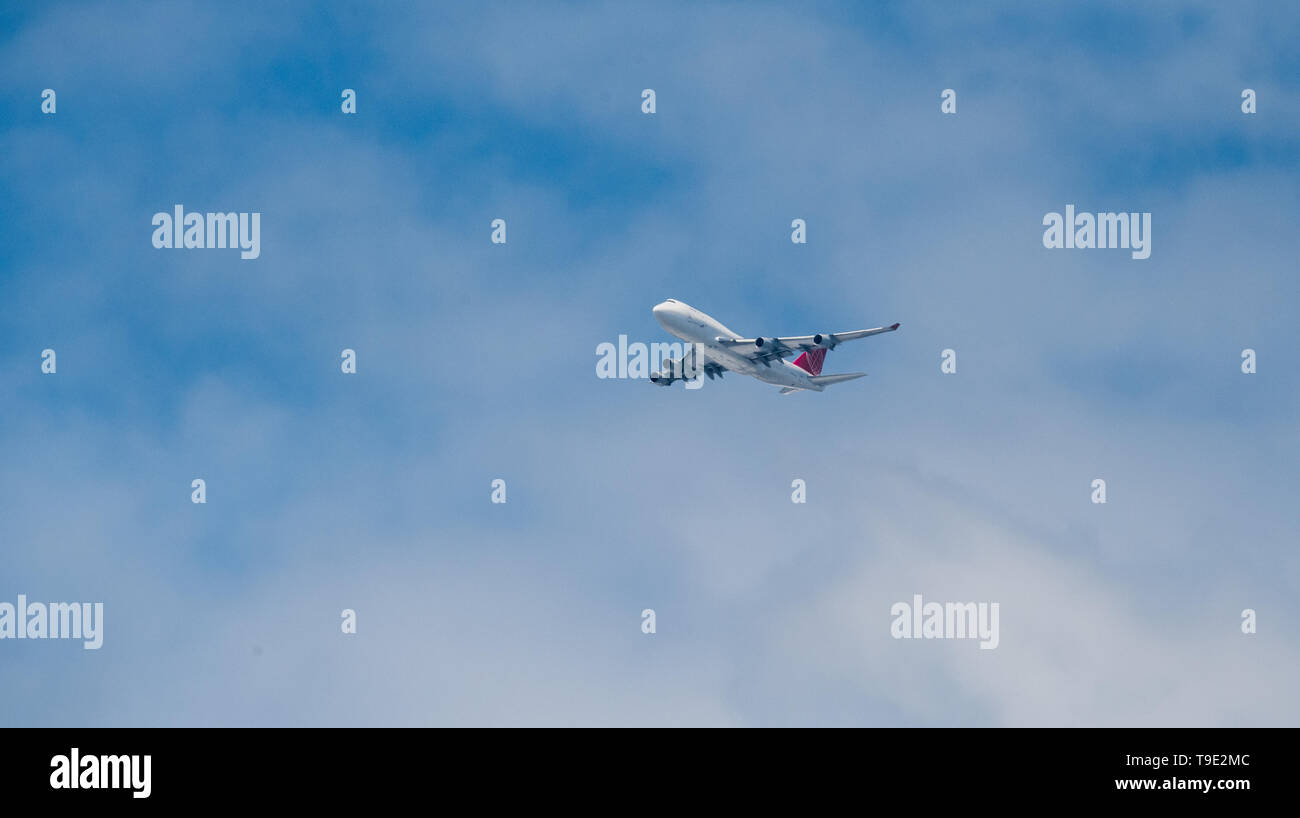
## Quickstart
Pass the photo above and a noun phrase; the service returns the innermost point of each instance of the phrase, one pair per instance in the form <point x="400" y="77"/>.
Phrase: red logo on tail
<point x="811" y="361"/>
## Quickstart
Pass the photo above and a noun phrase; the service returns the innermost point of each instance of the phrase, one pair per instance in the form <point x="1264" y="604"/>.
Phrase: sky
<point x="476" y="361"/>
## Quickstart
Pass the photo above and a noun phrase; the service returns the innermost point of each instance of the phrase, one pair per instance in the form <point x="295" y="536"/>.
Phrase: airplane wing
<point x="686" y="367"/>
<point x="714" y="370"/>
<point x="692" y="368"/>
<point x="768" y="349"/>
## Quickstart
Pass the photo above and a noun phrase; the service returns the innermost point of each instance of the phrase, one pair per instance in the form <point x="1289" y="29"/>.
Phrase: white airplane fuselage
<point x="695" y="327"/>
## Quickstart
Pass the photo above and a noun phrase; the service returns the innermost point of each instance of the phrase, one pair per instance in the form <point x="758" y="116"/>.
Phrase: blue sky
<point x="476" y="361"/>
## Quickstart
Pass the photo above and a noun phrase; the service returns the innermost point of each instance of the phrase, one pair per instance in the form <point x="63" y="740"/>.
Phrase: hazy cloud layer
<point x="476" y="361"/>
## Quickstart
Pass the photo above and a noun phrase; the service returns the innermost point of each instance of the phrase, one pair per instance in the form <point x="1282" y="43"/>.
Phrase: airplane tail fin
<point x="811" y="361"/>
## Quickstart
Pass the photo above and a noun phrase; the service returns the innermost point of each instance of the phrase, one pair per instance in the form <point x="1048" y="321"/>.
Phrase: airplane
<point x="722" y="350"/>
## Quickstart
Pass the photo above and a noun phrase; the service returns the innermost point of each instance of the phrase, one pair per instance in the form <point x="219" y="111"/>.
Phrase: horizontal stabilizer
<point x="827" y="380"/>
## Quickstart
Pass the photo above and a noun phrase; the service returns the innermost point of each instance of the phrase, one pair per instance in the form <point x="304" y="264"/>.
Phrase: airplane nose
<point x="660" y="309"/>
